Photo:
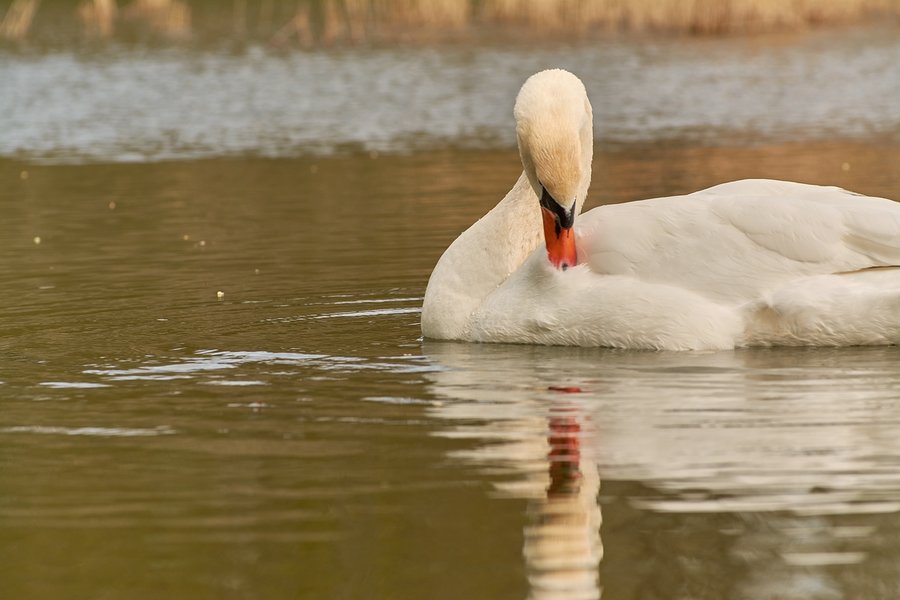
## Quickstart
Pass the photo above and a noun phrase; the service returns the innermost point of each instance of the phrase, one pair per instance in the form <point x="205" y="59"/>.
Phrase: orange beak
<point x="560" y="241"/>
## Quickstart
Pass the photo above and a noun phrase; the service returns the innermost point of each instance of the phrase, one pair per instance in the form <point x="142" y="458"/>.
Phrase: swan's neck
<point x="481" y="259"/>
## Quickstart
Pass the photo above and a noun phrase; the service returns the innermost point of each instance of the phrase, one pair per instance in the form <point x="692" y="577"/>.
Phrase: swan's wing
<point x="737" y="240"/>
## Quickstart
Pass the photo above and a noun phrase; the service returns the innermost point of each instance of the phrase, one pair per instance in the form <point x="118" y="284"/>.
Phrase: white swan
<point x="755" y="262"/>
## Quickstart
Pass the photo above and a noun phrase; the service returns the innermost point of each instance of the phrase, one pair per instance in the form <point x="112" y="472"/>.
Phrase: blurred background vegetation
<point x="326" y="23"/>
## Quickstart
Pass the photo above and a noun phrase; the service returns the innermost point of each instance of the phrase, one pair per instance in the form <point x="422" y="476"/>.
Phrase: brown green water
<point x="296" y="438"/>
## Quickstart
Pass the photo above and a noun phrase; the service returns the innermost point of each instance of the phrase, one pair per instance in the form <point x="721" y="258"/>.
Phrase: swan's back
<point x="736" y="241"/>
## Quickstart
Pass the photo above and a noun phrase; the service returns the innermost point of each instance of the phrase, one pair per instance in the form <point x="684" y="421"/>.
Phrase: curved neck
<point x="479" y="260"/>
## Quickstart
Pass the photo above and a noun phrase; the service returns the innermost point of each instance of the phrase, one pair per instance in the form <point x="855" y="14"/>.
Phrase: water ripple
<point x="208" y="364"/>
<point x="755" y="431"/>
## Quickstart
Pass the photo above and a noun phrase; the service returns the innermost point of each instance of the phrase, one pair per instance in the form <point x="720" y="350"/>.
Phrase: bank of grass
<point x="341" y="22"/>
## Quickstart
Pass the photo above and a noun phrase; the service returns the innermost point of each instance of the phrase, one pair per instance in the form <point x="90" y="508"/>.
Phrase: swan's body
<point x="753" y="262"/>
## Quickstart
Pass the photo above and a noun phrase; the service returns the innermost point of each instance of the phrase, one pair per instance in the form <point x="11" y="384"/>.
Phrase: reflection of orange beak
<point x="560" y="241"/>
<point x="565" y="456"/>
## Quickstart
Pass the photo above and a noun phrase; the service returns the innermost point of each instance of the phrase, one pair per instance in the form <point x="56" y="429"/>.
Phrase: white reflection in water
<point x="540" y="443"/>
<point x="64" y="385"/>
<point x="91" y="431"/>
<point x="206" y="365"/>
<point x="375" y="312"/>
<point x="802" y="434"/>
<point x="562" y="540"/>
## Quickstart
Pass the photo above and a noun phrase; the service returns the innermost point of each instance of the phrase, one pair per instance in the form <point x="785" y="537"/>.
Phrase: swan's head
<point x="554" y="127"/>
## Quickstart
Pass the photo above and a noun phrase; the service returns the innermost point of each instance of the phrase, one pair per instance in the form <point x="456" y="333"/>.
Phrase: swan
<point x="746" y="263"/>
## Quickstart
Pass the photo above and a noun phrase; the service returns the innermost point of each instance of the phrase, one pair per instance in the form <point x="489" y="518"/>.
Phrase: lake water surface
<point x="295" y="437"/>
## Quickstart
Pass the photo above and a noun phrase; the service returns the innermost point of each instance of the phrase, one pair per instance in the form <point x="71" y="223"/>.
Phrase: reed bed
<point x="356" y="21"/>
<point x="694" y="16"/>
<point x="311" y="23"/>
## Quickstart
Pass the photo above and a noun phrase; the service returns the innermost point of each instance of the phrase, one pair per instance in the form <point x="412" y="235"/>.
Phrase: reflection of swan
<point x="758" y="428"/>
<point x="541" y="445"/>
<point x="744" y="263"/>
<point x="562" y="541"/>
<point x="537" y="438"/>
<point x="778" y="443"/>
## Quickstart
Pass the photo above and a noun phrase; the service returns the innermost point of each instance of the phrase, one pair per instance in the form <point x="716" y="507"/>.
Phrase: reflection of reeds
<point x="17" y="21"/>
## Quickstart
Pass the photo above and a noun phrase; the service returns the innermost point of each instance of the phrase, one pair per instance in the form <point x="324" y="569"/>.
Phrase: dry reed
<point x="299" y="27"/>
<point x="98" y="17"/>
<point x="696" y="16"/>
<point x="353" y="21"/>
<point x="169" y="18"/>
<point x="17" y="21"/>
<point x="356" y="21"/>
<point x="239" y="18"/>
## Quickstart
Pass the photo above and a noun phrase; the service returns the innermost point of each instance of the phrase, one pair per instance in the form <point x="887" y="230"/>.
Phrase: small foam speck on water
<point x="37" y="240"/>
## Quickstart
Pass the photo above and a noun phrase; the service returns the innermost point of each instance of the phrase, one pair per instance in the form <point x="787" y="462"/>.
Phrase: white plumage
<point x="754" y="262"/>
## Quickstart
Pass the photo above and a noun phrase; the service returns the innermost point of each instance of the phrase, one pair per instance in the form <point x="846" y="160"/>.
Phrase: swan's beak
<point x="558" y="233"/>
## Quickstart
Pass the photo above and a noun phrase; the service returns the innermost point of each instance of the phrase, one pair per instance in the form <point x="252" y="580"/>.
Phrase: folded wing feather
<point x="738" y="240"/>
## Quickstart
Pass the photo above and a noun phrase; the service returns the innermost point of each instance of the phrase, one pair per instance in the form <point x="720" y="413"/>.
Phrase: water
<point x="136" y="105"/>
<point x="297" y="438"/>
